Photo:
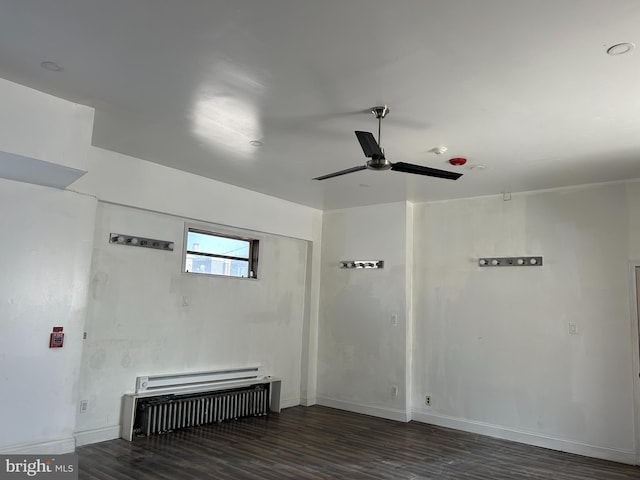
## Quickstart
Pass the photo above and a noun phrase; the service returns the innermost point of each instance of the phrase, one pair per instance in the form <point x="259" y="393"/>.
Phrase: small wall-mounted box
<point x="56" y="338"/>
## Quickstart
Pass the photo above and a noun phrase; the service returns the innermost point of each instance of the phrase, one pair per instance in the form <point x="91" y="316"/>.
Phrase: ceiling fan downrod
<point x="379" y="162"/>
<point x="380" y="112"/>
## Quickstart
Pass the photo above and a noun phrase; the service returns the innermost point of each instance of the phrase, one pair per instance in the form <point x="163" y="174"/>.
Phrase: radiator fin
<point x="162" y="414"/>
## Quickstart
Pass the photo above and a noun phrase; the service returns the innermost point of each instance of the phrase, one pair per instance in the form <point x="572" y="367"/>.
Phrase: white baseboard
<point x="538" y="440"/>
<point x="289" y="402"/>
<point x="308" y="401"/>
<point x="97" y="435"/>
<point x="389" y="413"/>
<point x="52" y="447"/>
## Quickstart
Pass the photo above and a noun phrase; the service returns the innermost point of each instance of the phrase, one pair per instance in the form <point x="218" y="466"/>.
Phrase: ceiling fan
<point x="378" y="161"/>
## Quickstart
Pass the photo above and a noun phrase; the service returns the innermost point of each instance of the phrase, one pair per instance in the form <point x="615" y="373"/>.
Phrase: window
<point x="212" y="253"/>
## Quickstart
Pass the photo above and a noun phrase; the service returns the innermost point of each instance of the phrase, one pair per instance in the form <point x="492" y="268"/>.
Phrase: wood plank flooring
<point x="323" y="443"/>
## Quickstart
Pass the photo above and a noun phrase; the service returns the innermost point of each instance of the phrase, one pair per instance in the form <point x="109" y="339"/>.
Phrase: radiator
<point x="164" y="403"/>
<point x="169" y="412"/>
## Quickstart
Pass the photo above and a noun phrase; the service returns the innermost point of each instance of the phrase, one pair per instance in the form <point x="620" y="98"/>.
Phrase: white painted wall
<point x="632" y="190"/>
<point x="146" y="317"/>
<point x="44" y="127"/>
<point x="125" y="180"/>
<point x="492" y="346"/>
<point x="408" y="307"/>
<point x="309" y="375"/>
<point x="45" y="255"/>
<point x="361" y="354"/>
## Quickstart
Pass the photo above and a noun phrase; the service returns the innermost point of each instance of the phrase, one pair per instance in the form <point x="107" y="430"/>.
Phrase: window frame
<point x="252" y="260"/>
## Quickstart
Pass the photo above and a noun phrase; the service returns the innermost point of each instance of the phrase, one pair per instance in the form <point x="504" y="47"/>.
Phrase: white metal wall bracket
<point x="133" y="241"/>
<point x="510" y="262"/>
<point x="362" y="264"/>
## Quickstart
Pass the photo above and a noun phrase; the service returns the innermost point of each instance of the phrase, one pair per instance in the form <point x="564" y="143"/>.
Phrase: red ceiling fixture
<point x="458" y="161"/>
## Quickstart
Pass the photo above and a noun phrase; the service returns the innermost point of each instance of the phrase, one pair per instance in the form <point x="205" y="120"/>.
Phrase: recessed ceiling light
<point x="439" y="150"/>
<point x="477" y="167"/>
<point x="621" y="48"/>
<point x="256" y="143"/>
<point x="51" y="66"/>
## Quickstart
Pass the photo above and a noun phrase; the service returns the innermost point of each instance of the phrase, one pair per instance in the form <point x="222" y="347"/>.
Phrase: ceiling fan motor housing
<point x="380" y="111"/>
<point x="379" y="164"/>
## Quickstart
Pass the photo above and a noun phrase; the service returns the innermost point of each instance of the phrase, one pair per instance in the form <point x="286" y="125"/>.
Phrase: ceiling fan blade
<point x="342" y="172"/>
<point x="369" y="145"/>
<point x="420" y="170"/>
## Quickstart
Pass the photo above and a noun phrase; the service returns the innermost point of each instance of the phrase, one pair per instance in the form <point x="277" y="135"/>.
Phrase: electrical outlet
<point x="427" y="400"/>
<point x="394" y="319"/>
<point x="573" y="328"/>
<point x="394" y="390"/>
<point x="84" y="406"/>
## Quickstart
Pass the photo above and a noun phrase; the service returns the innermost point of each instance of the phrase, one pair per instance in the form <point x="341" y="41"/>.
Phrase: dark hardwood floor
<point x="323" y="443"/>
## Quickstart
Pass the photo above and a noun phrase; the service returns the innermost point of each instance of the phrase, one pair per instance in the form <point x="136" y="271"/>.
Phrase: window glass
<point x="217" y="245"/>
<point x="217" y="254"/>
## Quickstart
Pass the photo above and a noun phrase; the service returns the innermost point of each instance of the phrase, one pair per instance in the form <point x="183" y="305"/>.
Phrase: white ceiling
<point x="524" y="88"/>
